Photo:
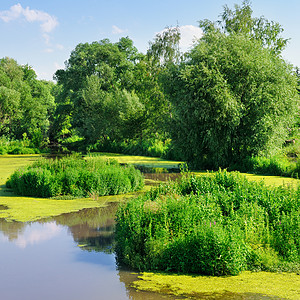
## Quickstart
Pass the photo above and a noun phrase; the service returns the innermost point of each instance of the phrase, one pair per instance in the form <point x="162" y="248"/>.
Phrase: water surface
<point x="67" y="257"/>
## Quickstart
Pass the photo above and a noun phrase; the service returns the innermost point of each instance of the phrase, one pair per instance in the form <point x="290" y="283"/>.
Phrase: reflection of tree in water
<point x="101" y="243"/>
<point x="12" y="229"/>
<point x="93" y="228"/>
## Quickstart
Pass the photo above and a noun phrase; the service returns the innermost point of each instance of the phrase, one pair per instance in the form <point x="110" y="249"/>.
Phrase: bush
<point x="276" y="166"/>
<point x="76" y="177"/>
<point x="215" y="225"/>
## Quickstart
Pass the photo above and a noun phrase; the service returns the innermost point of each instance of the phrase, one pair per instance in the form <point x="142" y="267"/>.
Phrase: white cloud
<point x="37" y="235"/>
<point x="47" y="22"/>
<point x="189" y="35"/>
<point x="12" y="14"/>
<point x="117" y="30"/>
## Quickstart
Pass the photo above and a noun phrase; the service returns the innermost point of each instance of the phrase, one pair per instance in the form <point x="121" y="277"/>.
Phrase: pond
<point x="71" y="256"/>
<point x="66" y="257"/>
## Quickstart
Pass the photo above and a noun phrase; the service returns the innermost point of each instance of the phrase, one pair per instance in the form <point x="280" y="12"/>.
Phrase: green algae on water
<point x="152" y="162"/>
<point x="258" y="284"/>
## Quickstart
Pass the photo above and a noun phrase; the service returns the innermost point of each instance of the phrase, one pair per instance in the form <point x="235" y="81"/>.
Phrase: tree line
<point x="230" y="97"/>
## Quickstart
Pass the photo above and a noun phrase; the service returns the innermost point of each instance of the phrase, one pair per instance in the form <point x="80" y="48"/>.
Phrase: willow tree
<point x="232" y="98"/>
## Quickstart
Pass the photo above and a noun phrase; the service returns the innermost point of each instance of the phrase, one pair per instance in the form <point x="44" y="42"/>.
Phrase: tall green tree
<point x="97" y="91"/>
<point x="113" y="114"/>
<point x="165" y="47"/>
<point x="232" y="98"/>
<point x="25" y="102"/>
<point x="241" y="21"/>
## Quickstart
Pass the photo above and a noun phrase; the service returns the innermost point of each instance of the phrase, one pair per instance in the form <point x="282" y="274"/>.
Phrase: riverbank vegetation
<point x="231" y="101"/>
<point x="75" y="177"/>
<point x="29" y="209"/>
<point x="219" y="224"/>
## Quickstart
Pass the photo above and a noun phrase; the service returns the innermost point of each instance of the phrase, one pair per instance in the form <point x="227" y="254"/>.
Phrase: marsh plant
<point x="219" y="224"/>
<point x="75" y="177"/>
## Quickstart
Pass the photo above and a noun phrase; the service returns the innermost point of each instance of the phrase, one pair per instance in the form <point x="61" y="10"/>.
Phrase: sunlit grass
<point x="30" y="209"/>
<point x="268" y="180"/>
<point x="155" y="162"/>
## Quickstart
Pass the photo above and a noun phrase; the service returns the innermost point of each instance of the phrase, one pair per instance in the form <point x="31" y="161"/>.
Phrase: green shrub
<point x="209" y="250"/>
<point x="217" y="224"/>
<point x="277" y="166"/>
<point x="24" y="146"/>
<point x="76" y="177"/>
<point x="3" y="150"/>
<point x="34" y="182"/>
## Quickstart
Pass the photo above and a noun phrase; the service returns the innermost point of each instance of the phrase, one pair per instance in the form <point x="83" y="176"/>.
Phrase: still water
<point x="71" y="257"/>
<point x="67" y="257"/>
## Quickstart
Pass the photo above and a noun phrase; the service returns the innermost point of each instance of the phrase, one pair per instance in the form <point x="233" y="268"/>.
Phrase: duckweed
<point x="282" y="285"/>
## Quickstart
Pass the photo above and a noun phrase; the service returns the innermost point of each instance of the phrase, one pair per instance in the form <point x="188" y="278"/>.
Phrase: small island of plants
<point x="219" y="224"/>
<point x="75" y="177"/>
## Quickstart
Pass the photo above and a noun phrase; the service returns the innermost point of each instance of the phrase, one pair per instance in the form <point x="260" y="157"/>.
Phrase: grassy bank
<point x="219" y="224"/>
<point x="30" y="209"/>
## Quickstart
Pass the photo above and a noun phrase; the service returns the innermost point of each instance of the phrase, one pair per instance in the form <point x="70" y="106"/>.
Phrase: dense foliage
<point x="75" y="177"/>
<point x="231" y="99"/>
<point x="219" y="224"/>
<point x="107" y="92"/>
<point x="26" y="103"/>
<point x="227" y="102"/>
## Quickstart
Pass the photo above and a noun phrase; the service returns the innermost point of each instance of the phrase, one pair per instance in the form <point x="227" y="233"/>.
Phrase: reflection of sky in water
<point x="36" y="233"/>
<point x="107" y="260"/>
<point x="44" y="262"/>
<point x="55" y="261"/>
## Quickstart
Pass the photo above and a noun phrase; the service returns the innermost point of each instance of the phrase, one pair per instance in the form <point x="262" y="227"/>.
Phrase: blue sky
<point x="43" y="33"/>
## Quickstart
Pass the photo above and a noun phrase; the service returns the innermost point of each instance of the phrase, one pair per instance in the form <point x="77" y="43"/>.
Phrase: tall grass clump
<point x="280" y="165"/>
<point x="219" y="224"/>
<point x="75" y="177"/>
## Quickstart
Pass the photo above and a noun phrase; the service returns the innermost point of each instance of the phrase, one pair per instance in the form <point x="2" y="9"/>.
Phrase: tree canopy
<point x="232" y="97"/>
<point x="241" y="21"/>
<point x="25" y="102"/>
<point x="110" y="90"/>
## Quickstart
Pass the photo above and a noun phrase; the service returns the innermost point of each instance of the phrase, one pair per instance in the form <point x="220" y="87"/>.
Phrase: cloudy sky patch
<point x="117" y="30"/>
<point x="48" y="22"/>
<point x="87" y="21"/>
